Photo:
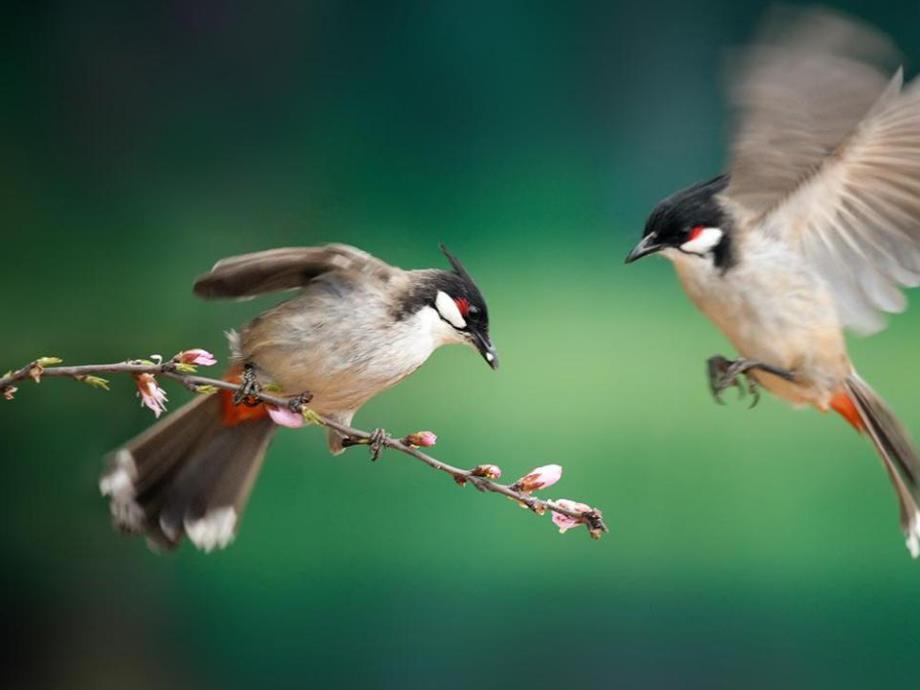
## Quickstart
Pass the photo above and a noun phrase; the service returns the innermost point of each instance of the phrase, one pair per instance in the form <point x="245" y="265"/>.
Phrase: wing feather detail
<point x="287" y="268"/>
<point x="840" y="150"/>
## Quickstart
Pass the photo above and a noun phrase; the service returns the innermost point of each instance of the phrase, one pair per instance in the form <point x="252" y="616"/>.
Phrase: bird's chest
<point x="350" y="369"/>
<point x="343" y="357"/>
<point x="768" y="304"/>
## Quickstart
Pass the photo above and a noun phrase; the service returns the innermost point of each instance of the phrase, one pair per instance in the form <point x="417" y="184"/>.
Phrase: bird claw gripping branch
<point x="376" y="442"/>
<point x="250" y="388"/>
<point x="297" y="403"/>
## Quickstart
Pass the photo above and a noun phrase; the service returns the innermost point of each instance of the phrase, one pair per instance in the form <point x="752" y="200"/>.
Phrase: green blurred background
<point x="748" y="549"/>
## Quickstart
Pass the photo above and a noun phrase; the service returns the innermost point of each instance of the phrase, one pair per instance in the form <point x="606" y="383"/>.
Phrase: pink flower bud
<point x="282" y="416"/>
<point x="538" y="478"/>
<point x="566" y="522"/>
<point x="152" y="396"/>
<point x="487" y="471"/>
<point x="196" y="356"/>
<point x="421" y="439"/>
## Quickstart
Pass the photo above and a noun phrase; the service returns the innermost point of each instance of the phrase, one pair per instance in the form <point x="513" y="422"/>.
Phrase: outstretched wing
<point x="827" y="159"/>
<point x="287" y="268"/>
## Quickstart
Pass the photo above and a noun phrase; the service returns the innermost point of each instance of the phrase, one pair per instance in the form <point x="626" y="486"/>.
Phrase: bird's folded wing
<point x="287" y="268"/>
<point x="828" y="160"/>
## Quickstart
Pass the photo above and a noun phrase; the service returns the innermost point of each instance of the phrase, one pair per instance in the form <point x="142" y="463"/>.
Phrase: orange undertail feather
<point x="234" y="414"/>
<point x="843" y="405"/>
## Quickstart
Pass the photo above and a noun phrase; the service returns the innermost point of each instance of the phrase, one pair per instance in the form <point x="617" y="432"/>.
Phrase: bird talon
<point x="377" y="443"/>
<point x="742" y="389"/>
<point x="754" y="390"/>
<point x="724" y="374"/>
<point x="249" y="390"/>
<point x="715" y="367"/>
<point x="297" y="403"/>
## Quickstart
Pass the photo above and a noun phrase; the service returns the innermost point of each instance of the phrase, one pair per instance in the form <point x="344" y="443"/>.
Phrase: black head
<point x="467" y="302"/>
<point x="455" y="297"/>
<point x="691" y="221"/>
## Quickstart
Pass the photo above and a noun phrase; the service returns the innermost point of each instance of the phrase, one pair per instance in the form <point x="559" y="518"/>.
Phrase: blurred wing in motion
<point x="827" y="159"/>
<point x="287" y="268"/>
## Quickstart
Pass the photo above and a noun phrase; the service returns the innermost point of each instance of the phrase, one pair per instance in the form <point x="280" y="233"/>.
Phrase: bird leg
<point x="725" y="373"/>
<point x="297" y="403"/>
<point x="250" y="388"/>
<point x="376" y="442"/>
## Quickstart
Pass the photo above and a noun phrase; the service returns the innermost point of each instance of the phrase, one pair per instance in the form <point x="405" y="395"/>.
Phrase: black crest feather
<point x="455" y="262"/>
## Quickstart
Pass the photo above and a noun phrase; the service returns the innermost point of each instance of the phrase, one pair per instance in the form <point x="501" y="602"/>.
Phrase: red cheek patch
<point x="463" y="305"/>
<point x="696" y="232"/>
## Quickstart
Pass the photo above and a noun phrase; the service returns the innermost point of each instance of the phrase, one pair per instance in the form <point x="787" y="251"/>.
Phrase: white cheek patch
<point x="448" y="310"/>
<point x="704" y="241"/>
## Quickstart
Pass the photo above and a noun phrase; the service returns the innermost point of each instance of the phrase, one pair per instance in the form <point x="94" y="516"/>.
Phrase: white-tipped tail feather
<point x="913" y="535"/>
<point x="118" y="485"/>
<point x="215" y="530"/>
<point x="897" y="452"/>
<point x="188" y="474"/>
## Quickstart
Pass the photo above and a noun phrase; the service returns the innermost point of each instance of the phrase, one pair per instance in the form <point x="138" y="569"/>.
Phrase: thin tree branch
<point x="174" y="369"/>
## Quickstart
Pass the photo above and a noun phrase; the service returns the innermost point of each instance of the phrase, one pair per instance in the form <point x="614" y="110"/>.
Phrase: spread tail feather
<point x="898" y="454"/>
<point x="191" y="473"/>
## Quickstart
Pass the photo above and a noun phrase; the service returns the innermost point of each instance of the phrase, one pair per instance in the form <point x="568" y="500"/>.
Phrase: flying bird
<point x="356" y="327"/>
<point x="814" y="228"/>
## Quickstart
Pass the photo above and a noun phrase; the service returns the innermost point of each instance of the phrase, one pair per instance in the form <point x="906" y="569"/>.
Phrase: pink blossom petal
<point x="539" y="478"/>
<point x="282" y="416"/>
<point x="422" y="439"/>
<point x="565" y="522"/>
<point x="152" y="396"/>
<point x="487" y="471"/>
<point x="197" y="356"/>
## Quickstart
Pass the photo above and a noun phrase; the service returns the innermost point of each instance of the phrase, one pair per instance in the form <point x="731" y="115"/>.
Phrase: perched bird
<point x="814" y="229"/>
<point x="356" y="327"/>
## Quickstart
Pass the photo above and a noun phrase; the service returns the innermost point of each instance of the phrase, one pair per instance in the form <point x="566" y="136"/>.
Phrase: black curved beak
<point x="647" y="245"/>
<point x="486" y="348"/>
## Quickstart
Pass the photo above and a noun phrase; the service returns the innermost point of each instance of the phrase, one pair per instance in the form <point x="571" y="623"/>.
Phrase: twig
<point x="174" y="369"/>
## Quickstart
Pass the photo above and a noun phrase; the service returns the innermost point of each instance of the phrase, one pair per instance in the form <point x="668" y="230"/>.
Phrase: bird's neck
<point x="723" y="255"/>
